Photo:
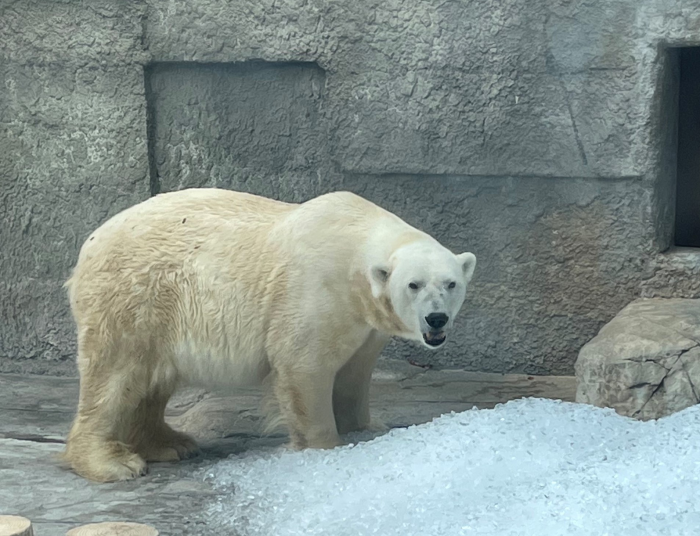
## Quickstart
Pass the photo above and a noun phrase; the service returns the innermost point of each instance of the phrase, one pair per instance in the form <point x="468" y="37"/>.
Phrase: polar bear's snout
<point x="437" y="320"/>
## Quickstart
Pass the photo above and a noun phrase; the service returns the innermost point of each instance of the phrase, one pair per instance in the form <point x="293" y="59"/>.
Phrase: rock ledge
<point x="645" y="363"/>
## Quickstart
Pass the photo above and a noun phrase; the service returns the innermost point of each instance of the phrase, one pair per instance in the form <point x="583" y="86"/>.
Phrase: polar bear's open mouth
<point x="434" y="338"/>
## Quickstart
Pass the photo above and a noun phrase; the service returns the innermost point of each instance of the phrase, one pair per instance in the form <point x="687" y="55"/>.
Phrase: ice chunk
<point x="529" y="467"/>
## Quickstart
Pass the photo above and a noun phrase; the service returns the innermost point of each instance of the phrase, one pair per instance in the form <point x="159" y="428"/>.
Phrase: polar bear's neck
<point x="377" y="312"/>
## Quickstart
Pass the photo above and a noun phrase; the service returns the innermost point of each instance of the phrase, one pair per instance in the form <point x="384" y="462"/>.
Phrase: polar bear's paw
<point x="109" y="462"/>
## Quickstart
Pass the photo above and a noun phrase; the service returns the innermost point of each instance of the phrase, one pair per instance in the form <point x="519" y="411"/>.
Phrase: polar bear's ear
<point x="468" y="262"/>
<point x="378" y="276"/>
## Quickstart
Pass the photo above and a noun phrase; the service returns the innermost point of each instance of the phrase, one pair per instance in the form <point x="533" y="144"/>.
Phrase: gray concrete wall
<point x="540" y="136"/>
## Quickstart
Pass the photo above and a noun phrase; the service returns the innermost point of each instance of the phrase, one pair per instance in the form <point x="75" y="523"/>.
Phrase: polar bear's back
<point x="170" y="221"/>
<point x="203" y="206"/>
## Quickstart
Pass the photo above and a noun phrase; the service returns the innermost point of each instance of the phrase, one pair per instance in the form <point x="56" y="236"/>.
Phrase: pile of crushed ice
<point x="530" y="467"/>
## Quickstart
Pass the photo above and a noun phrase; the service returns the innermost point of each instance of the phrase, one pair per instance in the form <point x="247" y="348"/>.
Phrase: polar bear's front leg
<point x="305" y="399"/>
<point x="351" y="390"/>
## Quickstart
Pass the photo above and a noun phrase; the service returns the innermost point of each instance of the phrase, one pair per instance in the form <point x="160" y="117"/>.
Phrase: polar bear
<point x="209" y="287"/>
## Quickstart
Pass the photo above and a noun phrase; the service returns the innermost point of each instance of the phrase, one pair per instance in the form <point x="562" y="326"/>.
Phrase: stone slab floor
<point x="36" y="411"/>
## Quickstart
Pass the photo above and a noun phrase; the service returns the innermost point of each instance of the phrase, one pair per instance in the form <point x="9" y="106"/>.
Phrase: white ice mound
<point x="529" y="467"/>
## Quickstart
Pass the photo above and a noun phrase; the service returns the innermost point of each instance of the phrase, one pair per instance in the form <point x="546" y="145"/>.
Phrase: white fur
<point x="214" y="287"/>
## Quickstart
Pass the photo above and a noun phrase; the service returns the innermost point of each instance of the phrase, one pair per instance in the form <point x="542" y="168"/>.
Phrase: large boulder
<point x="645" y="363"/>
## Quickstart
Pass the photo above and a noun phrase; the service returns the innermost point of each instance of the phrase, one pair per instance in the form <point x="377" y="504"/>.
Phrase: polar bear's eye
<point x="413" y="286"/>
<point x="452" y="285"/>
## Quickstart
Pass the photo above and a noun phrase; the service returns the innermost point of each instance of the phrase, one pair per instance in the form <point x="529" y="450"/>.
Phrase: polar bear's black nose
<point x="436" y="320"/>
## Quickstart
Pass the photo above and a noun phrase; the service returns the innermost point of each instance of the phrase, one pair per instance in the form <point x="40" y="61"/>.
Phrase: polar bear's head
<point x="426" y="284"/>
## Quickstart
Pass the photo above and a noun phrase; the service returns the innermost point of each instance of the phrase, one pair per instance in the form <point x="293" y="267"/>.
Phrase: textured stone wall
<point x="246" y="127"/>
<point x="73" y="152"/>
<point x="540" y="136"/>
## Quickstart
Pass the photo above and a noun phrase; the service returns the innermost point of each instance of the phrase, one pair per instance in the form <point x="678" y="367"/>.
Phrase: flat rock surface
<point x="645" y="363"/>
<point x="36" y="411"/>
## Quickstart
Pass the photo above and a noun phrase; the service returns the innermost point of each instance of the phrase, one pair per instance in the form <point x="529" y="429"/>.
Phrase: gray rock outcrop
<point x="645" y="363"/>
